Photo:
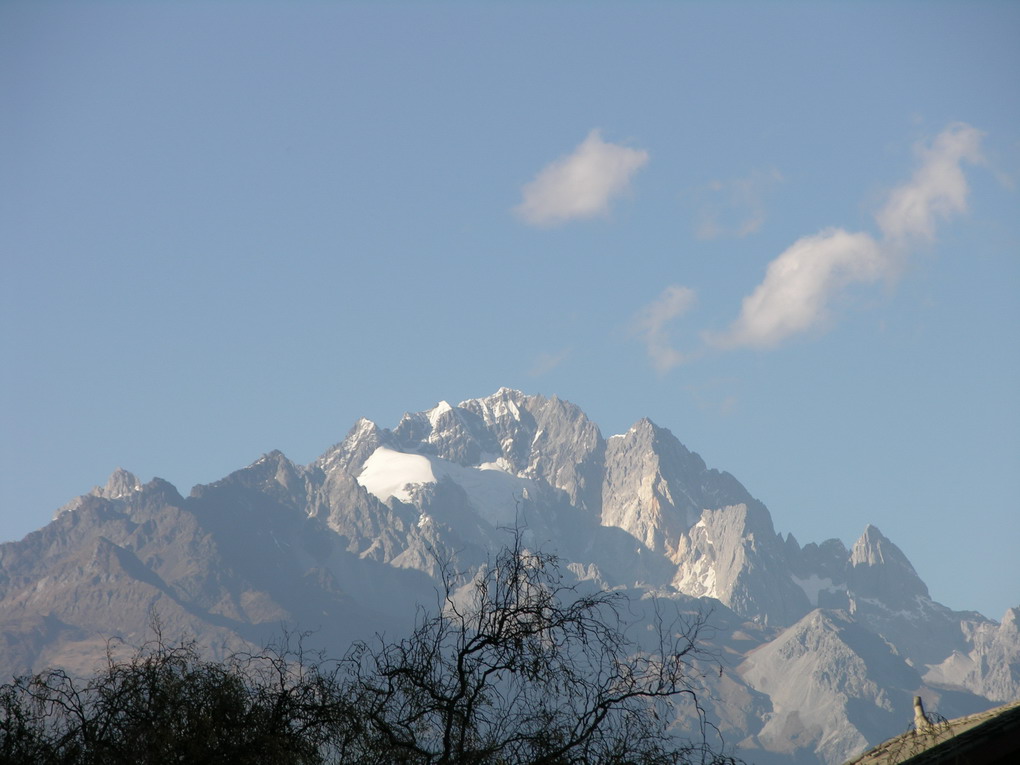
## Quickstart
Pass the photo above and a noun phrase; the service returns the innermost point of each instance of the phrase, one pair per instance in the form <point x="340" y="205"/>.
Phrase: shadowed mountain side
<point x="229" y="565"/>
<point x="835" y="687"/>
<point x="818" y="649"/>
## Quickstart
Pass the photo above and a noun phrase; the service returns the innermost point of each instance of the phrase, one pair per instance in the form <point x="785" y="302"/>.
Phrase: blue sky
<point x="788" y="232"/>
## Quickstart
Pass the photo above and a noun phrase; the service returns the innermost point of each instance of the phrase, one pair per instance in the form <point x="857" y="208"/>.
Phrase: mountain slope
<point x="821" y="647"/>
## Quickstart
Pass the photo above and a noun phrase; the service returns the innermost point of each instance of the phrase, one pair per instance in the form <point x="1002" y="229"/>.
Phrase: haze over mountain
<point x="788" y="231"/>
<point x="821" y="648"/>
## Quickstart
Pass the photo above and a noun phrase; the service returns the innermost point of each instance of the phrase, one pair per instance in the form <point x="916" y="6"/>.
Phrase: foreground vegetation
<point x="516" y="668"/>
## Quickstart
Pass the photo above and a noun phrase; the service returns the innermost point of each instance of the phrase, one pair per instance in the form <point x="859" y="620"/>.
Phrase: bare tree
<point x="519" y="667"/>
<point x="515" y="667"/>
<point x="165" y="704"/>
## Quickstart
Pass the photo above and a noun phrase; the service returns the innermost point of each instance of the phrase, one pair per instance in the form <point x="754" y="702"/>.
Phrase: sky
<point x="788" y="232"/>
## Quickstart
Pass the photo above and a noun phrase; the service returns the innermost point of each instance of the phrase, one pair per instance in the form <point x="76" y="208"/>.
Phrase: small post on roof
<point x="921" y="722"/>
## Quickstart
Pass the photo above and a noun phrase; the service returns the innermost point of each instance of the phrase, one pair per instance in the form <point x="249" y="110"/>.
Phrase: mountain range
<point x="820" y="648"/>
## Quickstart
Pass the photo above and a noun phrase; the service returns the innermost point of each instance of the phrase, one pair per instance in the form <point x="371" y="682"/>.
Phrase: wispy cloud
<point x="938" y="188"/>
<point x="546" y="362"/>
<point x="715" y="396"/>
<point x="801" y="283"/>
<point x="651" y="325"/>
<point x="581" y="184"/>
<point x="736" y="208"/>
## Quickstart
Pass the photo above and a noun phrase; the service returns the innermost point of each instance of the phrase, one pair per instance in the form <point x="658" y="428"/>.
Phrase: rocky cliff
<point x="821" y="647"/>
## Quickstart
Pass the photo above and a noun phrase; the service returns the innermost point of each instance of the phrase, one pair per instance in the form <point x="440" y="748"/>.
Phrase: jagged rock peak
<point x="435" y="413"/>
<point x="276" y="465"/>
<point x="361" y="427"/>
<point x="1011" y="619"/>
<point x="363" y="430"/>
<point x="879" y="570"/>
<point x="528" y="436"/>
<point x="871" y="548"/>
<point x="452" y="433"/>
<point x="120" y="484"/>
<point x="875" y="549"/>
<point x="274" y="457"/>
<point x="791" y="544"/>
<point x="734" y="554"/>
<point x="642" y="428"/>
<point x="651" y="477"/>
<point x="644" y="425"/>
<point x="361" y="440"/>
<point x="646" y="434"/>
<point x="504" y="403"/>
<point x="546" y="438"/>
<point x="645" y="490"/>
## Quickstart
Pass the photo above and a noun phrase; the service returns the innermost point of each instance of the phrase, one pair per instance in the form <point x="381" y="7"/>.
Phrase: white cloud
<point x="799" y="284"/>
<point x="736" y="207"/>
<point x="651" y="323"/>
<point x="938" y="188"/>
<point x="581" y="184"/>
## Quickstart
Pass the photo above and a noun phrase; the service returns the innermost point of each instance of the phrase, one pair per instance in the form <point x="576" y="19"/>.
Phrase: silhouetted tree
<point x="518" y="667"/>
<point x="165" y="705"/>
<point x="515" y="667"/>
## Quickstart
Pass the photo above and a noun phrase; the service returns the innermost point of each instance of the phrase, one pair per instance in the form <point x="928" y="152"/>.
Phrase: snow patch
<point x="437" y="411"/>
<point x="500" y="405"/>
<point x="506" y="408"/>
<point x="492" y="491"/>
<point x="126" y="492"/>
<point x="498" y="464"/>
<point x="388" y="473"/>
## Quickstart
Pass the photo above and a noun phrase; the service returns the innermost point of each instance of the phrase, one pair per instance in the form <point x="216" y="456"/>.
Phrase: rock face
<point x="879" y="571"/>
<point x="988" y="663"/>
<point x="655" y="489"/>
<point x="832" y="683"/>
<point x="229" y="564"/>
<point x="734" y="554"/>
<point x="822" y="648"/>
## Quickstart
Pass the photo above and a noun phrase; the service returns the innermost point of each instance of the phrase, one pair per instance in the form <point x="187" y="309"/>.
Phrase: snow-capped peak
<point x="437" y="411"/>
<point x="502" y="405"/>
